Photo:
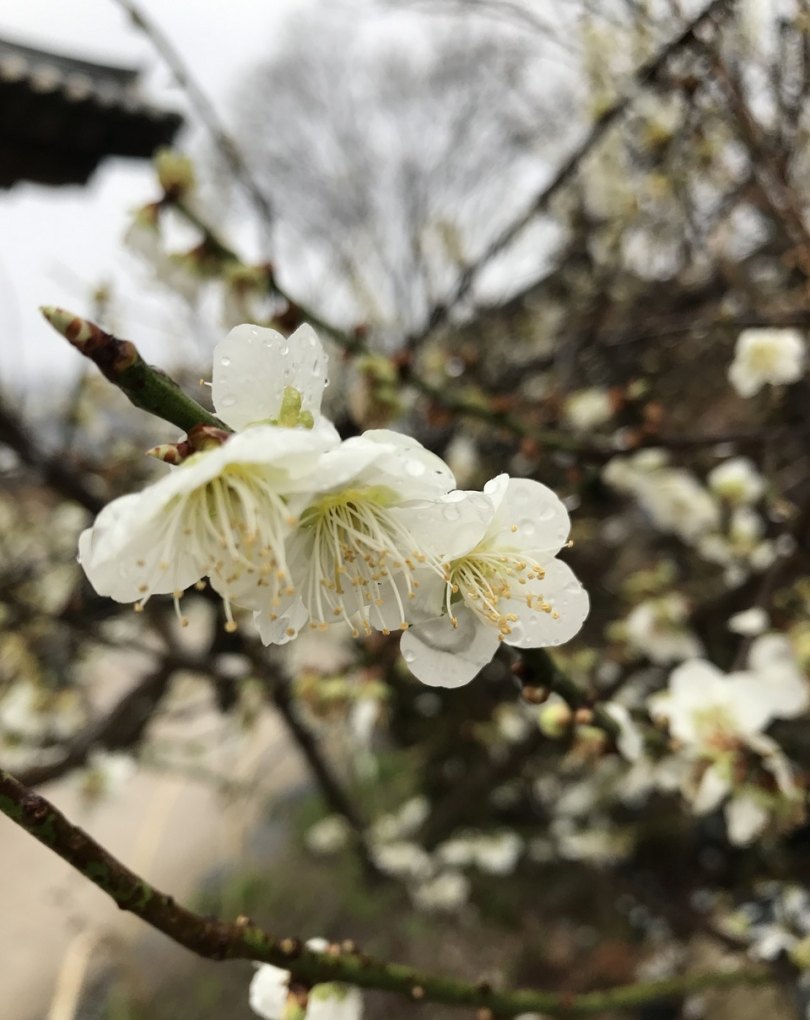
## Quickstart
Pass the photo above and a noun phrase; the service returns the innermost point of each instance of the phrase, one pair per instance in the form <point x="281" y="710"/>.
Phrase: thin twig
<point x="203" y="107"/>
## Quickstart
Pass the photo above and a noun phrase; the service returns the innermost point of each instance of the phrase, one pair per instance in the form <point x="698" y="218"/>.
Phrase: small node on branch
<point x="535" y="695"/>
<point x="417" y="992"/>
<point x="291" y="947"/>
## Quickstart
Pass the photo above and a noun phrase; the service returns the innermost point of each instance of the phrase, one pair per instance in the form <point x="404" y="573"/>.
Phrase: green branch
<point x="145" y="386"/>
<point x="242" y="940"/>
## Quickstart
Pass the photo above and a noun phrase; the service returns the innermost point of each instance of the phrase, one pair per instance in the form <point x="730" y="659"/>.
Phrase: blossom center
<point x="362" y="557"/>
<point x="489" y="582"/>
<point x="234" y="527"/>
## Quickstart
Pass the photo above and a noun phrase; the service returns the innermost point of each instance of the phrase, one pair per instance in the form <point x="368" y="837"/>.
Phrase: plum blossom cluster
<point x="302" y="529"/>
<point x="719" y="520"/>
<point x="437" y="881"/>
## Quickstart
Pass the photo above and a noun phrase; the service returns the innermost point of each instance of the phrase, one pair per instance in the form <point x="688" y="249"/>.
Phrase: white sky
<point x="56" y="244"/>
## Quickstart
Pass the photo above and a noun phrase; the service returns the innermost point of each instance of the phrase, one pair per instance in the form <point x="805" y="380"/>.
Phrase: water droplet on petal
<point x="547" y="513"/>
<point x="224" y="362"/>
<point x="408" y="655"/>
<point x="414" y="468"/>
<point x="451" y="513"/>
<point x="285" y="350"/>
<point x="527" y="527"/>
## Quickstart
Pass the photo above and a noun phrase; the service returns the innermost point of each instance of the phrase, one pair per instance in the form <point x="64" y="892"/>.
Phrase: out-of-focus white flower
<point x="363" y="718"/>
<point x="718" y="718"/>
<point x="630" y="740"/>
<point x="743" y="549"/>
<point x="402" y="823"/>
<point x="494" y="853"/>
<point x="269" y="991"/>
<point x="763" y="356"/>
<point x="749" y="622"/>
<point x="329" y="835"/>
<point x="446" y="892"/>
<point x="776" y="922"/>
<point x="711" y="712"/>
<point x="773" y="661"/>
<point x="402" y="859"/>
<point x="226" y="512"/>
<point x="502" y="581"/>
<point x="658" y="628"/>
<point x="672" y="497"/>
<point x="746" y="818"/>
<point x="514" y="722"/>
<point x="334" y="1002"/>
<point x="358" y="547"/>
<point x="737" y="481"/>
<point x="270" y="996"/>
<point x="588" y="409"/>
<point x="463" y="458"/>
<point x="108" y="772"/>
<point x="31" y="713"/>
<point x="497" y="853"/>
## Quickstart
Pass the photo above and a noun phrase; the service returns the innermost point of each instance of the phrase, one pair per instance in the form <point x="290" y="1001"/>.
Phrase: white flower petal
<point x="529" y="516"/>
<point x="254" y="365"/>
<point x="536" y="628"/>
<point x="745" y="819"/>
<point x="334" y="1002"/>
<point x="268" y="991"/>
<point x="441" y="655"/>
<point x="713" y="787"/>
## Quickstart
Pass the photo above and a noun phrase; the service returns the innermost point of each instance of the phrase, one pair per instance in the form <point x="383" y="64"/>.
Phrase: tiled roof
<point x="60" y="116"/>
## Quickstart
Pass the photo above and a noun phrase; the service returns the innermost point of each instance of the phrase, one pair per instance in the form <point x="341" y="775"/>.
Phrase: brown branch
<point x="219" y="940"/>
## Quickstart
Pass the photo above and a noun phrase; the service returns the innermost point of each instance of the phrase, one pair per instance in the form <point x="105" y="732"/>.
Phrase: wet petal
<point x="441" y="655"/>
<point x="253" y="366"/>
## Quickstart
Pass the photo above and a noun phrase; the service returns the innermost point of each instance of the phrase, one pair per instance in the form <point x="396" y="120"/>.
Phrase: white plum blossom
<point x="271" y="998"/>
<point x="263" y="378"/>
<point x="445" y="892"/>
<point x="501" y="581"/>
<point x="763" y="356"/>
<point x="749" y="622"/>
<point x="356" y="551"/>
<point x="771" y="658"/>
<point x="630" y="740"/>
<point x="494" y="853"/>
<point x="402" y="823"/>
<point x="742" y="549"/>
<point x="659" y="629"/>
<point x="31" y="713"/>
<point x="329" y="835"/>
<point x="402" y="859"/>
<point x="227" y="511"/>
<point x="717" y="719"/>
<point x="588" y="409"/>
<point x="672" y="497"/>
<point x="737" y="481"/>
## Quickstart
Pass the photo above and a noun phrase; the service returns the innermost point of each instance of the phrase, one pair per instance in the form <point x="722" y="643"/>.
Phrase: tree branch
<point x="645" y="75"/>
<point x="120" y="362"/>
<point x="242" y="940"/>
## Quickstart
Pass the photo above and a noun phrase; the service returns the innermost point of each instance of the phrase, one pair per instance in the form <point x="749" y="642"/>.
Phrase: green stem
<point x="144" y="385"/>
<point x="242" y="940"/>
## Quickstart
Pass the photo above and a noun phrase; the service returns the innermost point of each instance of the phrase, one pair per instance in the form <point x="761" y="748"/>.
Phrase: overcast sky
<point x="56" y="244"/>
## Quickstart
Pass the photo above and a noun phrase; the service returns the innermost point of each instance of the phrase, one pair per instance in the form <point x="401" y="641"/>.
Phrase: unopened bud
<point x="175" y="172"/>
<point x="555" y="720"/>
